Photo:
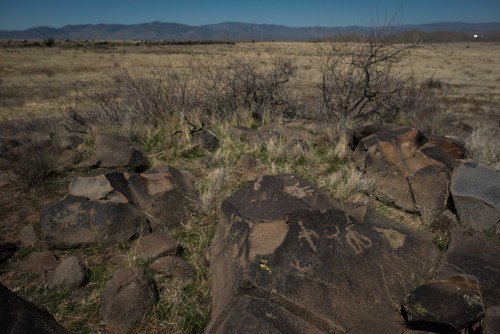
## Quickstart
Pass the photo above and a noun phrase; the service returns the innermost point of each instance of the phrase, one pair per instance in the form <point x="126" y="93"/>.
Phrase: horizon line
<point x="253" y="23"/>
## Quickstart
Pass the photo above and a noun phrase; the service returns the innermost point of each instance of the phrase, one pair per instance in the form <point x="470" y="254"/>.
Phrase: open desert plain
<point x="280" y="187"/>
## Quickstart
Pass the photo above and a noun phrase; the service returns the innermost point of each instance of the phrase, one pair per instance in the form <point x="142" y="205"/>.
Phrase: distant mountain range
<point x="235" y="31"/>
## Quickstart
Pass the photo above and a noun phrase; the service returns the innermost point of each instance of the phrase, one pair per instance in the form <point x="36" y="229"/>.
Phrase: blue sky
<point x="23" y="14"/>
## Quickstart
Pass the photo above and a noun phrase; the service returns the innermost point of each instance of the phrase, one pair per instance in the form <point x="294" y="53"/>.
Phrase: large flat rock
<point x="476" y="193"/>
<point x="77" y="221"/>
<point x="310" y="270"/>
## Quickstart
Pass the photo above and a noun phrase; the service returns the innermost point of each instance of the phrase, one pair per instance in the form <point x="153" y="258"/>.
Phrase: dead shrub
<point x="240" y="84"/>
<point x="360" y="80"/>
<point x="37" y="163"/>
<point x="134" y="95"/>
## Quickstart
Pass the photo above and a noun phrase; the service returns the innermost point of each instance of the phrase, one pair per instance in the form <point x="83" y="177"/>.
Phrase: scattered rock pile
<point x="113" y="207"/>
<point x="426" y="174"/>
<point x="285" y="257"/>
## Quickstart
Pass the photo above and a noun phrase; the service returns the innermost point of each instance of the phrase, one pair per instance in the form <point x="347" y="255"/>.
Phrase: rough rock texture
<point x="127" y="298"/>
<point x="19" y="316"/>
<point x="117" y="151"/>
<point x="27" y="236"/>
<point x="70" y="274"/>
<point x="68" y="158"/>
<point x="77" y="221"/>
<point x="206" y="140"/>
<point x="285" y="256"/>
<point x="444" y="306"/>
<point x="491" y="323"/>
<point x="476" y="194"/>
<point x="110" y="187"/>
<point x="173" y="267"/>
<point x="411" y="171"/>
<point x="155" y="245"/>
<point x="477" y="255"/>
<point x="272" y="197"/>
<point x="41" y="261"/>
<point x="165" y="194"/>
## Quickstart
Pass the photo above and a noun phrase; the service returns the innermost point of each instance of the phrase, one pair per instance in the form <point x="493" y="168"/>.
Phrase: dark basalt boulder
<point x="77" y="221"/>
<point x="476" y="194"/>
<point x="117" y="151"/>
<point x="128" y="296"/>
<point x="19" y="316"/>
<point x="287" y="259"/>
<point x="411" y="171"/>
<point x="167" y="195"/>
<point x="472" y="253"/>
<point x="445" y="306"/>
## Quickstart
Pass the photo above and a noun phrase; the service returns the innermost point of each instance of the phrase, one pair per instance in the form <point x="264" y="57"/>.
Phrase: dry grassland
<point x="36" y="82"/>
<point x="37" y="86"/>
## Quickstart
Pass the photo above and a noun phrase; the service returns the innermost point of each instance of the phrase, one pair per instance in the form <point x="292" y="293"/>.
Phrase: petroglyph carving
<point x="297" y="191"/>
<point x="335" y="235"/>
<point x="357" y="241"/>
<point x="256" y="184"/>
<point x="301" y="269"/>
<point x="396" y="239"/>
<point x="307" y="234"/>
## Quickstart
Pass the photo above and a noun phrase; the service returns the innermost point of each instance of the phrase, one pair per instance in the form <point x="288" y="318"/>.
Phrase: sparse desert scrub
<point x="240" y="84"/>
<point x="482" y="146"/>
<point x="164" y="134"/>
<point x="360" y="80"/>
<point x="37" y="162"/>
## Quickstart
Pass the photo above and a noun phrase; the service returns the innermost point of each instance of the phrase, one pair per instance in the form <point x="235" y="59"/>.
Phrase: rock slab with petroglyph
<point x="287" y="255"/>
<point x="412" y="171"/>
<point x="165" y="194"/>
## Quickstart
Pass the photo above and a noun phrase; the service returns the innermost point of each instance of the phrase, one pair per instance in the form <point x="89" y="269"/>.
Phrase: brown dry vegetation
<point x="35" y="82"/>
<point x="37" y="86"/>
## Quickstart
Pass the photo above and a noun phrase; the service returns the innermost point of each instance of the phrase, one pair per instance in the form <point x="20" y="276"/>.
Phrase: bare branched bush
<point x="136" y="95"/>
<point x="38" y="163"/>
<point x="238" y="84"/>
<point x="360" y="80"/>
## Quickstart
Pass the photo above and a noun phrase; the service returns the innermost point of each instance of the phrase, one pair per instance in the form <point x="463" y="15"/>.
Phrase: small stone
<point x="127" y="298"/>
<point x="173" y="267"/>
<point x="248" y="162"/>
<point x="68" y="158"/>
<point x="155" y="245"/>
<point x="205" y="139"/>
<point x="70" y="273"/>
<point x="41" y="261"/>
<point x="444" y="306"/>
<point x="28" y="236"/>
<point x="96" y="188"/>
